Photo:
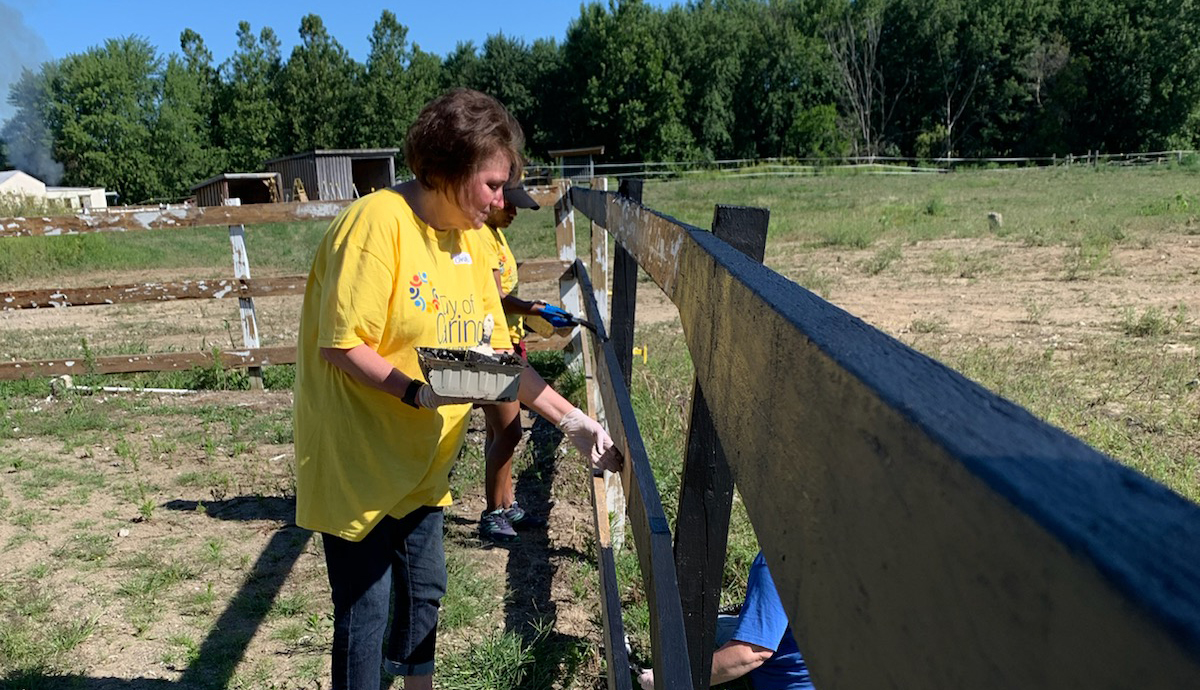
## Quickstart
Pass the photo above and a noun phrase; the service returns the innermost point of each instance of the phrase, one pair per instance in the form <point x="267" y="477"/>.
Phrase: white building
<point x="20" y="184"/>
<point x="78" y="198"/>
<point x="17" y="183"/>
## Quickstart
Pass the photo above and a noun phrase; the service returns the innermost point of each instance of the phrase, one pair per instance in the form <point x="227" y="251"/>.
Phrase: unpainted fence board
<point x="126" y="364"/>
<point x="149" y="292"/>
<point x="241" y="271"/>
<point x="545" y="195"/>
<point x="538" y="270"/>
<point x="117" y="220"/>
<point x="922" y="531"/>
<point x="564" y="224"/>
<point x="646" y="518"/>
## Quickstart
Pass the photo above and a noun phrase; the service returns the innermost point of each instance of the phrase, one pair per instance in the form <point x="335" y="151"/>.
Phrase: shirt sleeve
<point x="762" y="621"/>
<point x="358" y="289"/>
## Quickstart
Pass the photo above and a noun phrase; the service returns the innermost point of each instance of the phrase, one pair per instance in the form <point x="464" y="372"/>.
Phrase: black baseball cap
<point x="518" y="196"/>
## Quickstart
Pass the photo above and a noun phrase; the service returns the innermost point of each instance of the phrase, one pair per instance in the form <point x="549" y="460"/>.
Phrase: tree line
<point x="708" y="80"/>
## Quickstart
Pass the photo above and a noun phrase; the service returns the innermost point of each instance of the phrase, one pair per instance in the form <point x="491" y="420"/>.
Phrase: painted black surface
<point x="593" y="203"/>
<point x="647" y="521"/>
<point x="706" y="484"/>
<point x="624" y="291"/>
<point x="1142" y="537"/>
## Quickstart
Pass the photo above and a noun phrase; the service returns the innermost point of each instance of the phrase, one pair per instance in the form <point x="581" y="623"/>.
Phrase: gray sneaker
<point x="495" y="527"/>
<point x="520" y="519"/>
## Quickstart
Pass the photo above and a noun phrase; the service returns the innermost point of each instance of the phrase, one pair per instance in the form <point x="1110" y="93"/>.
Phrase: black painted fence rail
<point x="923" y="532"/>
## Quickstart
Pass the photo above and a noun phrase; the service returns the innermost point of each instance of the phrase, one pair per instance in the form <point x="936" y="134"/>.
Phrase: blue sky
<point x="38" y="30"/>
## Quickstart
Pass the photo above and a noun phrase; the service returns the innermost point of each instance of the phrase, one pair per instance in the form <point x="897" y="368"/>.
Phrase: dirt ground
<point x="954" y="291"/>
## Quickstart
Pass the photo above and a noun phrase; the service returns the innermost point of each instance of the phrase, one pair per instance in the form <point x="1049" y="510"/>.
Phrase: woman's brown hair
<point x="455" y="132"/>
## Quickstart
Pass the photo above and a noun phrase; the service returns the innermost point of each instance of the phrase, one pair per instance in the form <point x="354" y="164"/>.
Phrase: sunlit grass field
<point x="1123" y="390"/>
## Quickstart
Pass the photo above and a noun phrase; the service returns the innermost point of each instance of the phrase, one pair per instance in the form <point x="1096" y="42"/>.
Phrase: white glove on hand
<point x="646" y="679"/>
<point x="590" y="438"/>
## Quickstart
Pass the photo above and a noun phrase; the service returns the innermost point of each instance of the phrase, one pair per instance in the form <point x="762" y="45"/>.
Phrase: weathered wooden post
<point x="706" y="487"/>
<point x="241" y="271"/>
<point x="599" y="269"/>
<point x="598" y="266"/>
<point x="568" y="289"/>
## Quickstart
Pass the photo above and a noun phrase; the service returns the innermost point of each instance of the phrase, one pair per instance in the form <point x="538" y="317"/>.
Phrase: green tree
<point x="399" y="81"/>
<point x="787" y="71"/>
<point x="183" y="130"/>
<point x="630" y="90"/>
<point x="248" y="118"/>
<point x="318" y="95"/>
<point x="103" y="110"/>
<point x="1143" y="70"/>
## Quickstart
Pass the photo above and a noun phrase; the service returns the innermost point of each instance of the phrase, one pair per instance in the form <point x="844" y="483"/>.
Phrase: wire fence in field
<point x="873" y="165"/>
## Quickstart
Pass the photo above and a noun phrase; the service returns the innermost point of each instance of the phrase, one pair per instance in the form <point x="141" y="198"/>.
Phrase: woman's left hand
<point x="591" y="439"/>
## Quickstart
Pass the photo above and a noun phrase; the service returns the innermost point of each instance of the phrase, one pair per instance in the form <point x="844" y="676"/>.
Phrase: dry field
<point x="147" y="538"/>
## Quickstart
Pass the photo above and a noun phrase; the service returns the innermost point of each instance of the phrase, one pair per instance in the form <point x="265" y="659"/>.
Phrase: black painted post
<point x="706" y="487"/>
<point x="624" y="292"/>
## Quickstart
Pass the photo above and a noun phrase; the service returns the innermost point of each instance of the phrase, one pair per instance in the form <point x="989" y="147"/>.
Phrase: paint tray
<point x="471" y="375"/>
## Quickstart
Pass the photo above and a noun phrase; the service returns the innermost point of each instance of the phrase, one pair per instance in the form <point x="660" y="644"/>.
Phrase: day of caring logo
<point x="418" y="281"/>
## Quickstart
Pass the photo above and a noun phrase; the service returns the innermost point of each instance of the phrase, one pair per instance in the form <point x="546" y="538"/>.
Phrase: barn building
<point x="247" y="188"/>
<point x="335" y="174"/>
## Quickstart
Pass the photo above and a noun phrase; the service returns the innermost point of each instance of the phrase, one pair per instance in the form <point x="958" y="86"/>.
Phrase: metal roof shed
<point x="336" y="173"/>
<point x="248" y="188"/>
<point x="577" y="164"/>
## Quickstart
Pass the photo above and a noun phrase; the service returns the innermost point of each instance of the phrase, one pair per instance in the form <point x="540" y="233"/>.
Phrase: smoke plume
<point x="26" y="142"/>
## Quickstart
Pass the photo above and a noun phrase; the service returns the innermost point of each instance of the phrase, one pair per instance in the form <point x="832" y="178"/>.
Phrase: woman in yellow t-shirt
<point x="374" y="443"/>
<point x="503" y="516"/>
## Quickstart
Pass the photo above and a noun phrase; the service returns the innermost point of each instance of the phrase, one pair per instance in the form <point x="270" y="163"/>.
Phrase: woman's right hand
<point x="591" y="440"/>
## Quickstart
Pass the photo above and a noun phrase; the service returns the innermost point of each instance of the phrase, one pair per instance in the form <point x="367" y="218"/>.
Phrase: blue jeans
<point x="401" y="557"/>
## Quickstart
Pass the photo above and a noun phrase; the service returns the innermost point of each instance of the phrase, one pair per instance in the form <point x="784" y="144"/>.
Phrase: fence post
<point x="599" y="266"/>
<point x="568" y="288"/>
<point x="241" y="271"/>
<point x="706" y="485"/>
<point x="599" y="271"/>
<point x="624" y="292"/>
<point x="624" y="306"/>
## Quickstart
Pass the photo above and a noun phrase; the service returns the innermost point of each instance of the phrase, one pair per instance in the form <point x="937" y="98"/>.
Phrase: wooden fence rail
<point x="117" y="220"/>
<point x="242" y="287"/>
<point x="922" y="531"/>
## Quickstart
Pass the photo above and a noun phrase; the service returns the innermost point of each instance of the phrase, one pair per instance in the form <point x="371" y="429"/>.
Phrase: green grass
<point x="275" y="249"/>
<point x="148" y="580"/>
<point x="1127" y="398"/>
<point x="661" y="393"/>
<point x="470" y="597"/>
<point x="12" y="206"/>
<point x="537" y="660"/>
<point x="1041" y="206"/>
<point x="1122" y="393"/>
<point x="36" y="641"/>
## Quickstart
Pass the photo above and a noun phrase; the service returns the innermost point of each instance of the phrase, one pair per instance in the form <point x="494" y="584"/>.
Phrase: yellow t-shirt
<point x="382" y="277"/>
<point x="502" y="259"/>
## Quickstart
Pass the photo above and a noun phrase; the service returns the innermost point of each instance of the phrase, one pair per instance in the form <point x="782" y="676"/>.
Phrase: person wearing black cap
<point x="503" y="515"/>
